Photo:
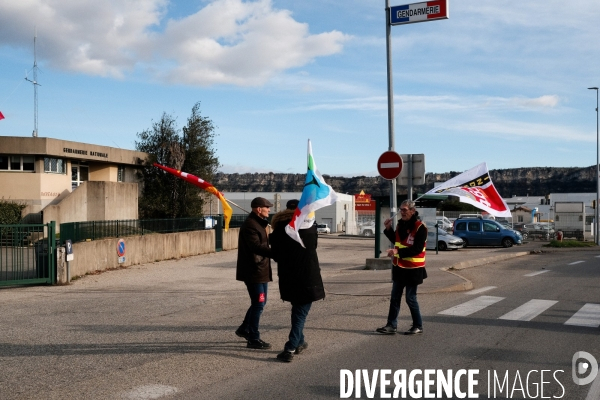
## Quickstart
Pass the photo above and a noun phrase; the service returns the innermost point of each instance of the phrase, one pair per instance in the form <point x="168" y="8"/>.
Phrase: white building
<point x="340" y="217"/>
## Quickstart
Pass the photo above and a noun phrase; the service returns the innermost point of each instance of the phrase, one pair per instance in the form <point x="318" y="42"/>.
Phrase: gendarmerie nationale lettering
<point x="75" y="151"/>
<point x="418" y="11"/>
<point x="85" y="152"/>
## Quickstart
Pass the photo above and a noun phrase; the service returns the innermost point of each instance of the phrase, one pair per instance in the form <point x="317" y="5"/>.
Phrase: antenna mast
<point x="35" y="85"/>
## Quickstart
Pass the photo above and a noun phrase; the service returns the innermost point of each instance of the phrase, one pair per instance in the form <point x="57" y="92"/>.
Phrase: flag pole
<point x="232" y="203"/>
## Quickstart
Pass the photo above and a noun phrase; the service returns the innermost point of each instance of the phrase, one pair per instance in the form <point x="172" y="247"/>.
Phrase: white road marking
<point x="588" y="315"/>
<point x="150" y="392"/>
<point x="472" y="306"/>
<point x="481" y="290"/>
<point x="575" y="262"/>
<point x="529" y="310"/>
<point x="537" y="273"/>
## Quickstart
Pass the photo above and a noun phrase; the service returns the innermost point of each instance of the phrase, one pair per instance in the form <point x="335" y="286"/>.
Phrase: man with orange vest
<point x="408" y="266"/>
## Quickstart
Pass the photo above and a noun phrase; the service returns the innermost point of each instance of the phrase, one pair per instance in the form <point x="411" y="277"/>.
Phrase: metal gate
<point x="27" y="254"/>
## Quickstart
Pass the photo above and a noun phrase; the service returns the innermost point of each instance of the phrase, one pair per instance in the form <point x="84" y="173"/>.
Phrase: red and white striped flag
<point x="475" y="187"/>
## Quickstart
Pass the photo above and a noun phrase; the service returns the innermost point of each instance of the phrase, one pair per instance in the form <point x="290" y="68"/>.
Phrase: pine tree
<point x="190" y="150"/>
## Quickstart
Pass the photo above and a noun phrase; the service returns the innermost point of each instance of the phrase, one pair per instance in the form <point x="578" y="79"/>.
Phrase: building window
<point x="120" y="173"/>
<point x="519" y="218"/>
<point x="16" y="163"/>
<point x="79" y="174"/>
<point x="54" y="165"/>
<point x="28" y="163"/>
<point x="557" y="218"/>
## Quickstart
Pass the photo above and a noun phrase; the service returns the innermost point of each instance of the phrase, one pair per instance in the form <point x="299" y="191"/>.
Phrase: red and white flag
<point x="475" y="187"/>
<point x="1" y="115"/>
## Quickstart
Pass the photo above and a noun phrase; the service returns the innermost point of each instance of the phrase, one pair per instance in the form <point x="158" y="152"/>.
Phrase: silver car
<point x="445" y="240"/>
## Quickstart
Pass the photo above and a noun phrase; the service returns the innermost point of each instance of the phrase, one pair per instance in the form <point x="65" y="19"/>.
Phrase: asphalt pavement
<point x="142" y="331"/>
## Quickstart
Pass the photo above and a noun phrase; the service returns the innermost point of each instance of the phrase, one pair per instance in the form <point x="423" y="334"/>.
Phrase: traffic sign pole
<point x="390" y="93"/>
<point x="417" y="12"/>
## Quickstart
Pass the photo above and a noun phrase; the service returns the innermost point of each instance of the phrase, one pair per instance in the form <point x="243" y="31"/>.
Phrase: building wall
<point x="20" y="187"/>
<point x="100" y="255"/>
<point x="96" y="201"/>
<point x="100" y="172"/>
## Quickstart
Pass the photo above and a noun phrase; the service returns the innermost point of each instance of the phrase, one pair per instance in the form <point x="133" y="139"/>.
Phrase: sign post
<point x="69" y="258"/>
<point x="121" y="250"/>
<point x="398" y="15"/>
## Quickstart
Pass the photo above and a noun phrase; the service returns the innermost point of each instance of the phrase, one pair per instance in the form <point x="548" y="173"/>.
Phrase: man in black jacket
<point x="254" y="269"/>
<point x="299" y="273"/>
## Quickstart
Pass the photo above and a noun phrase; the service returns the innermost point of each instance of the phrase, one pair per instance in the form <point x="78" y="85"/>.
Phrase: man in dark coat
<point x="299" y="274"/>
<point x="254" y="269"/>
<point x="408" y="266"/>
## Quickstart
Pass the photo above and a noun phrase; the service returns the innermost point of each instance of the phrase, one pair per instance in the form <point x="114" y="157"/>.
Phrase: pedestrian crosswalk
<point x="588" y="315"/>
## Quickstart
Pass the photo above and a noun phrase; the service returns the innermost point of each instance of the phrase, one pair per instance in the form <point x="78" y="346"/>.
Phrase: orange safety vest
<point x="417" y="261"/>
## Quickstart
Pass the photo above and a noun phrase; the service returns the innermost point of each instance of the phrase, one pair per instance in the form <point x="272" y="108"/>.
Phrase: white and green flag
<point x="316" y="194"/>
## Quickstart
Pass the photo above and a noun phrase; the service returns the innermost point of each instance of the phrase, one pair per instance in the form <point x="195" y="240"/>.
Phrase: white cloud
<point x="542" y="101"/>
<point x="227" y="42"/>
<point x="437" y="103"/>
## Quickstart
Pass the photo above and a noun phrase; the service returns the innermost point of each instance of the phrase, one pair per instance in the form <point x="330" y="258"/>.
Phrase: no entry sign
<point x="389" y="165"/>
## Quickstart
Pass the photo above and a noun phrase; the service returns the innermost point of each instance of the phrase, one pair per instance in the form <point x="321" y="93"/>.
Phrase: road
<point x="165" y="330"/>
<point x="491" y="339"/>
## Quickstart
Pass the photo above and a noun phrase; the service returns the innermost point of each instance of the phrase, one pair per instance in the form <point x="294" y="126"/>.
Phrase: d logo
<point x="582" y="363"/>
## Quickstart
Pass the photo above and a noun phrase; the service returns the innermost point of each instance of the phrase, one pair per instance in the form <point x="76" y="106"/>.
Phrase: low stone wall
<point x="100" y="255"/>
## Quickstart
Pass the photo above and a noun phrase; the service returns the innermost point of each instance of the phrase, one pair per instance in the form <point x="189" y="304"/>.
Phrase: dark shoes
<point x="414" y="331"/>
<point x="285" y="356"/>
<point x="386" y="330"/>
<point x="242" y="333"/>
<point x="258" y="344"/>
<point x="301" y="348"/>
<point x="288" y="356"/>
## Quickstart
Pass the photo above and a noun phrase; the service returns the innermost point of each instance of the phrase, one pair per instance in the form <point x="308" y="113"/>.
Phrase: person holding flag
<point x="408" y="266"/>
<point x="299" y="273"/>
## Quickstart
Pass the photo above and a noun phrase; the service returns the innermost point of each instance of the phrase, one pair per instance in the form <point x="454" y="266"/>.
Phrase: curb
<point x="467" y="284"/>
<point x="483" y="261"/>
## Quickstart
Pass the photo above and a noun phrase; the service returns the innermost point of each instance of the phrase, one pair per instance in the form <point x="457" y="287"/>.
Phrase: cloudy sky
<point x="503" y="82"/>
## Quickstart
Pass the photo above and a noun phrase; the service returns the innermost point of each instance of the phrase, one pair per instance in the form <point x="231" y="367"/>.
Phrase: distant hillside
<point x="509" y="182"/>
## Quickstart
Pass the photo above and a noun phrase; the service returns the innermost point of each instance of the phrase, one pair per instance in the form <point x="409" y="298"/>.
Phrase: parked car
<point x="323" y="228"/>
<point x="538" y="230"/>
<point x="445" y="241"/>
<point x="444" y="223"/>
<point x="485" y="232"/>
<point x="367" y="229"/>
<point x="484" y="216"/>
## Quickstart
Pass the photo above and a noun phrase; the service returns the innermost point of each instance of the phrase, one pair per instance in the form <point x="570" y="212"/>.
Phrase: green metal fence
<point x="27" y="254"/>
<point x="95" y="230"/>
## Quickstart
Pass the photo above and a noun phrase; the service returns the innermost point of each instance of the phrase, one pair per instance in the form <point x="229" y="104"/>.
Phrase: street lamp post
<point x="596" y="230"/>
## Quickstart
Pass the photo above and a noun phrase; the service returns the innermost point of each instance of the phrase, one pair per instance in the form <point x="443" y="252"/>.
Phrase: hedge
<point x="10" y="213"/>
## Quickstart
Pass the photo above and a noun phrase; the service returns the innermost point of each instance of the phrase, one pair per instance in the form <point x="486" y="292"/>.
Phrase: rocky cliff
<point x="509" y="182"/>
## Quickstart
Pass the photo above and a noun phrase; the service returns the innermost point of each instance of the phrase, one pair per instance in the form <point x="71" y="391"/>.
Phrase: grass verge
<point x="569" y="243"/>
